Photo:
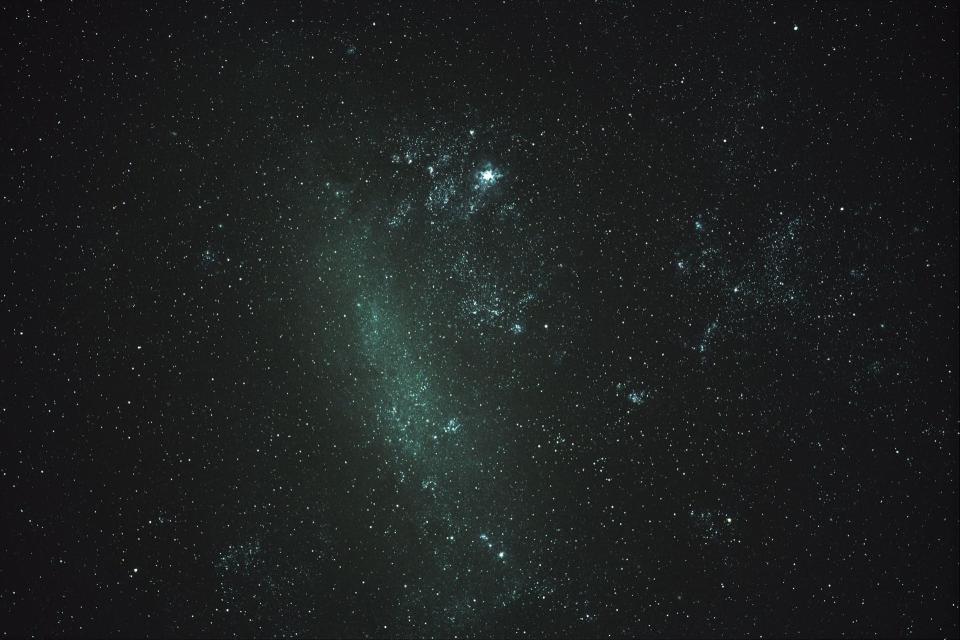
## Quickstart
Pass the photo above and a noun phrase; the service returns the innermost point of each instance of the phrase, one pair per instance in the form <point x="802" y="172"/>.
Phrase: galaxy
<point x="553" y="319"/>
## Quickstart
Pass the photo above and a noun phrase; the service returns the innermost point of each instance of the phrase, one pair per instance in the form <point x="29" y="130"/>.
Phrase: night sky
<point x="564" y="319"/>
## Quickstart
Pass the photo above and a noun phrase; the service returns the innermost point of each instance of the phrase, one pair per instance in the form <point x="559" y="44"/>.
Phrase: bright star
<point x="487" y="177"/>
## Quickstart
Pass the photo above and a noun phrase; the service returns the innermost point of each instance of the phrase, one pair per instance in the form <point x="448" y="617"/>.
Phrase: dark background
<point x="699" y="337"/>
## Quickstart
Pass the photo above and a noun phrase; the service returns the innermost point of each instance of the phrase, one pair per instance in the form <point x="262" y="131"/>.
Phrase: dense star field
<point x="563" y="319"/>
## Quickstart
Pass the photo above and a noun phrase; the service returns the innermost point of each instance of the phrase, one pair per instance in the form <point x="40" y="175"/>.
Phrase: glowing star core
<point x="487" y="177"/>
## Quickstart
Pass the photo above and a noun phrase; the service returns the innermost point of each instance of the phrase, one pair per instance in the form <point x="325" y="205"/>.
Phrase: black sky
<point x="564" y="319"/>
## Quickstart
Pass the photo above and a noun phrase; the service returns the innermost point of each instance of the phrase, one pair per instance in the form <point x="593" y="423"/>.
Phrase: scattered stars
<point x="382" y="321"/>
